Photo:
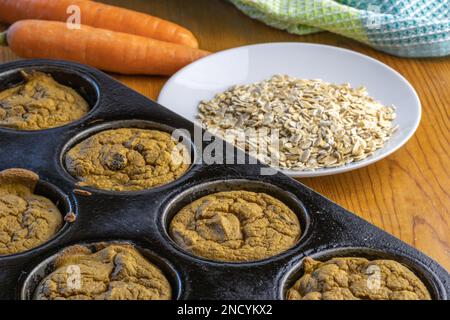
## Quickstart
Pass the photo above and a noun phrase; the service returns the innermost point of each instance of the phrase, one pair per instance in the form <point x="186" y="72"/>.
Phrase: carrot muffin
<point x="40" y="103"/>
<point x="128" y="159"/>
<point x="355" y="279"/>
<point x="103" y="272"/>
<point x="235" y="226"/>
<point x="26" y="219"/>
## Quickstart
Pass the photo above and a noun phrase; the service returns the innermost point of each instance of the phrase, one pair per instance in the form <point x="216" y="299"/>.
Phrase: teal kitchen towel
<point x="409" y="28"/>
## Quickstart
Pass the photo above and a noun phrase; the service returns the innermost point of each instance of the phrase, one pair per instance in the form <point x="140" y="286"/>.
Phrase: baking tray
<point x="142" y="217"/>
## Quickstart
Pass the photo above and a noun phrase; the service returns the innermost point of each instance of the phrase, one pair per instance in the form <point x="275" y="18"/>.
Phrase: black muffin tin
<point x="142" y="217"/>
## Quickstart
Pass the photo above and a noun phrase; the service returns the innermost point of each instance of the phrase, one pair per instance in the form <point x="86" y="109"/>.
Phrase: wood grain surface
<point x="406" y="194"/>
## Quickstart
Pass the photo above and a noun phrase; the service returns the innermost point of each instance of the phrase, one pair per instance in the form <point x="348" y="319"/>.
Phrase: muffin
<point x="27" y="220"/>
<point x="103" y="272"/>
<point x="235" y="226"/>
<point x="40" y="103"/>
<point x="128" y="159"/>
<point x="357" y="279"/>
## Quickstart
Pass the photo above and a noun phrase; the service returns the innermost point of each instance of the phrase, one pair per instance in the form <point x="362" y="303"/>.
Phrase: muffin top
<point x="357" y="278"/>
<point x="103" y="272"/>
<point x="128" y="159"/>
<point x="235" y="226"/>
<point x="40" y="103"/>
<point x="26" y="219"/>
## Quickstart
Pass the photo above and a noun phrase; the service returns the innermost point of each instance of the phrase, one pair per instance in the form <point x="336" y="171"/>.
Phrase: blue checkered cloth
<point x="408" y="28"/>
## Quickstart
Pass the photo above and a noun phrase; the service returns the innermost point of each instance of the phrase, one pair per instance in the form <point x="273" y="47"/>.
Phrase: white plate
<point x="213" y="74"/>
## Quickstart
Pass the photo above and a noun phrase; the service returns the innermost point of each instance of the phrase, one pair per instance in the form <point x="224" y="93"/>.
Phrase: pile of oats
<point x="318" y="124"/>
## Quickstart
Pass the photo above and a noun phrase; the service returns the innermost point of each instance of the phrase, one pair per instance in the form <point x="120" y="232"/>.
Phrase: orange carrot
<point x="97" y="15"/>
<point x="104" y="49"/>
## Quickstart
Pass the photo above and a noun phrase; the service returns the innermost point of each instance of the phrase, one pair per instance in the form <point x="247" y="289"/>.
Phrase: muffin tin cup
<point x="84" y="85"/>
<point x="46" y="267"/>
<point x="431" y="281"/>
<point x="64" y="205"/>
<point x="119" y="124"/>
<point x="190" y="195"/>
<point x="142" y="217"/>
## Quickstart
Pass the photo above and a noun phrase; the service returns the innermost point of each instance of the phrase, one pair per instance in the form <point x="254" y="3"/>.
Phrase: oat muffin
<point x="235" y="226"/>
<point x="128" y="159"/>
<point x="355" y="279"/>
<point x="27" y="220"/>
<point x="103" y="272"/>
<point x="40" y="103"/>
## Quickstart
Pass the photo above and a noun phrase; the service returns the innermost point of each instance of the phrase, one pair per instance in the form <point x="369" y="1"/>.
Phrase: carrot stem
<point x="3" y="39"/>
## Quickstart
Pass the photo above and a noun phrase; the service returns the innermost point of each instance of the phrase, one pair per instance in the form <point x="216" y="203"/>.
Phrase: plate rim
<point x="322" y="171"/>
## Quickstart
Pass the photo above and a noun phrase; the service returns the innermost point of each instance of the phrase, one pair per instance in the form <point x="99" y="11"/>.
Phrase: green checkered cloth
<point x="408" y="28"/>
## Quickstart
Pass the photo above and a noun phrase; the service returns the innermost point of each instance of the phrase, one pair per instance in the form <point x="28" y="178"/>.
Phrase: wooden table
<point x="406" y="194"/>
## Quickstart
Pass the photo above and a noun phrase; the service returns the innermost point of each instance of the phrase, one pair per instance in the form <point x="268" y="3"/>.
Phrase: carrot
<point x="104" y="49"/>
<point x="97" y="15"/>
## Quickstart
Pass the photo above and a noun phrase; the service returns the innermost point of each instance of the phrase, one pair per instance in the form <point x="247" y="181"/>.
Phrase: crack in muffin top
<point x="128" y="159"/>
<point x="353" y="278"/>
<point x="27" y="220"/>
<point x="106" y="272"/>
<point x="40" y="103"/>
<point x="235" y="226"/>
